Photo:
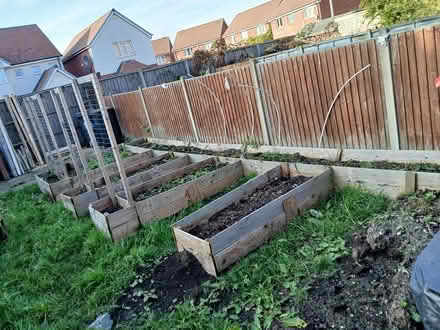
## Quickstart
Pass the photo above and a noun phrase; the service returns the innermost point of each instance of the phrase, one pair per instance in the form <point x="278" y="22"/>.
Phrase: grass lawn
<point x="60" y="273"/>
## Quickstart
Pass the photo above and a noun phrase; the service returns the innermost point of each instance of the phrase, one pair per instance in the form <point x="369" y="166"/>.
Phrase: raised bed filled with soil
<point x="55" y="184"/>
<point x="78" y="199"/>
<point x="231" y="227"/>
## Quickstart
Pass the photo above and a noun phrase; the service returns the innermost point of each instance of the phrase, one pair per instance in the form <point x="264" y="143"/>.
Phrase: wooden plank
<point x="147" y="116"/>
<point x="197" y="247"/>
<point x="428" y="181"/>
<point x="205" y="213"/>
<point x="98" y="218"/>
<point x="190" y="111"/>
<point x="44" y="144"/>
<point x="408" y="184"/>
<point x="129" y="228"/>
<point x="306" y="195"/>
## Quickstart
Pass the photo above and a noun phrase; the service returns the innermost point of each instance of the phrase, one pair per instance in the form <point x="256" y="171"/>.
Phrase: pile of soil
<point x="50" y="177"/>
<point x="81" y="190"/>
<point x="298" y="158"/>
<point x="160" y="289"/>
<point x="370" y="290"/>
<point x="112" y="209"/>
<point x="178" y="181"/>
<point x="234" y="213"/>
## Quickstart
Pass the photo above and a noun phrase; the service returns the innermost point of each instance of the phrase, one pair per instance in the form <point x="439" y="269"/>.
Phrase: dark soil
<point x="50" y="177"/>
<point x="176" y="182"/>
<point x="297" y="158"/>
<point x="112" y="209"/>
<point x="117" y="177"/>
<point x="82" y="190"/>
<point x="371" y="288"/>
<point x="234" y="213"/>
<point x="160" y="289"/>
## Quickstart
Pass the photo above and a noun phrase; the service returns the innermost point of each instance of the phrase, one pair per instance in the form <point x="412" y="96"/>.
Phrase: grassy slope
<point x="60" y="272"/>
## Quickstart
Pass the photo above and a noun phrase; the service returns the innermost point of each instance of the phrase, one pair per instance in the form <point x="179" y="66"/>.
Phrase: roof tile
<point x="200" y="34"/>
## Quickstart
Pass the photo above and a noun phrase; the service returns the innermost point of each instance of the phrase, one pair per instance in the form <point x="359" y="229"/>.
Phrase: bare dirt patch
<point x="234" y="213"/>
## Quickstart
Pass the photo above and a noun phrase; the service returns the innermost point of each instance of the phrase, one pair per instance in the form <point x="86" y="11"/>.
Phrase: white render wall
<point x="116" y="29"/>
<point x="27" y="83"/>
<point x="354" y="22"/>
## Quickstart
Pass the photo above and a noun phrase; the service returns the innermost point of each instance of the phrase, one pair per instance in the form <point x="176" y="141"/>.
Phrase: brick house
<point x="163" y="49"/>
<point x="199" y="37"/>
<point x="250" y="23"/>
<point x="290" y="16"/>
<point x="106" y="43"/>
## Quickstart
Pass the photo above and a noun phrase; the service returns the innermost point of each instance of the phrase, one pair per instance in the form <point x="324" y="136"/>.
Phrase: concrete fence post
<point x="261" y="112"/>
<point x="147" y="115"/>
<point x="190" y="111"/>
<point x="141" y="75"/>
<point x="384" y="54"/>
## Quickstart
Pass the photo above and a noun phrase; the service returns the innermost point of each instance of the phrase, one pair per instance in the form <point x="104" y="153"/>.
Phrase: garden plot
<point x="54" y="184"/>
<point x="221" y="233"/>
<point x="78" y="199"/>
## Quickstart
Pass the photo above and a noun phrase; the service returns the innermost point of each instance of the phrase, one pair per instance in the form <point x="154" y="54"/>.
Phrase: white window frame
<point x="36" y="70"/>
<point x="279" y="22"/>
<point x="309" y="12"/>
<point x="19" y="76"/>
<point x="124" y="48"/>
<point x="188" y="51"/>
<point x="261" y="29"/>
<point x="3" y="78"/>
<point x="244" y="35"/>
<point x="291" y="18"/>
<point x="160" y="60"/>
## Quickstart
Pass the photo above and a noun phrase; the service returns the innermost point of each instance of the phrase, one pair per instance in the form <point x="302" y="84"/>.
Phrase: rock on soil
<point x="370" y="290"/>
<point x="162" y="287"/>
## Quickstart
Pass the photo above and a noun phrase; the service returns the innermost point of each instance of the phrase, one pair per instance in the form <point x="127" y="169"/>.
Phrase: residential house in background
<point x="250" y="23"/>
<point x="290" y="16"/>
<point x="106" y="43"/>
<point x="199" y="37"/>
<point x="163" y="49"/>
<point x="25" y="54"/>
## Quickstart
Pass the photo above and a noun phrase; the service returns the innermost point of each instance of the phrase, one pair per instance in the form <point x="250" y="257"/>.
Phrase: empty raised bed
<point x="229" y="228"/>
<point x="78" y="199"/>
<point x="54" y="184"/>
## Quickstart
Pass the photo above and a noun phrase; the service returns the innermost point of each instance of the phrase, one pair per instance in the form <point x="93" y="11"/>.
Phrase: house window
<point x="36" y="70"/>
<point x="3" y="79"/>
<point x="291" y="18"/>
<point x="244" y="35"/>
<point x="261" y="29"/>
<point x="123" y="48"/>
<point x="279" y="22"/>
<point x="160" y="60"/>
<point x="188" y="51"/>
<point x="19" y="73"/>
<point x="309" y="12"/>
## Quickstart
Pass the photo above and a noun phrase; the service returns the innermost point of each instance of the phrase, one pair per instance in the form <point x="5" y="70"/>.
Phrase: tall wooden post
<point x="141" y="95"/>
<point x="45" y="144"/>
<point x="75" y="135"/>
<point x="98" y="152"/>
<point x="190" y="111"/>
<point x="22" y="117"/>
<point x="52" y="136"/>
<point x="66" y="134"/>
<point x="115" y="146"/>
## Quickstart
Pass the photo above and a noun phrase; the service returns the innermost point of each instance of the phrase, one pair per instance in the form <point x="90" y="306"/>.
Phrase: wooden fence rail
<point x="392" y="104"/>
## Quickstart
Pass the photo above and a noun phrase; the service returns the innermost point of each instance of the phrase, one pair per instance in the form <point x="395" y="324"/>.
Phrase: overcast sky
<point x="60" y="20"/>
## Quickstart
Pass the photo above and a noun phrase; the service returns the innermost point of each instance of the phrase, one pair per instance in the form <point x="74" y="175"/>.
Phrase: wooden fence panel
<point x="168" y="112"/>
<point x="121" y="84"/>
<point x="226" y="115"/>
<point x="298" y="92"/>
<point x="416" y="64"/>
<point x="131" y="114"/>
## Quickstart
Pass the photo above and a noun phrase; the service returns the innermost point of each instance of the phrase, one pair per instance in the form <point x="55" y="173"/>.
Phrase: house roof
<point x="84" y="39"/>
<point x="283" y="7"/>
<point x="162" y="46"/>
<point x="252" y="17"/>
<point x="200" y="34"/>
<point x="133" y="65"/>
<point x="47" y="75"/>
<point x="21" y="44"/>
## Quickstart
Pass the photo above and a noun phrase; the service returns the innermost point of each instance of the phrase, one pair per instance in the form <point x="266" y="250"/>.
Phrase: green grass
<point x="60" y="273"/>
<point x="109" y="158"/>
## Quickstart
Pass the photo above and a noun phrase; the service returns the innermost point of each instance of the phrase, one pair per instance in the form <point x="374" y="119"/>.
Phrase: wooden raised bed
<point x="56" y="188"/>
<point x="239" y="239"/>
<point x="79" y="203"/>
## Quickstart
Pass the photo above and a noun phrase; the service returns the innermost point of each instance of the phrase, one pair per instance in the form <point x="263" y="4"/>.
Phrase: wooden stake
<point x="146" y="111"/>
<point x="66" y="134"/>
<point x="18" y="127"/>
<point x="37" y="128"/>
<point x="115" y="146"/>
<point x="20" y="114"/>
<point x="49" y="128"/>
<point x="99" y="156"/>
<point x="75" y="135"/>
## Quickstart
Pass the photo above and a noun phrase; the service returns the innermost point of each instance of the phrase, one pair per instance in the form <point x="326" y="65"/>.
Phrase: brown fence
<point x="416" y="64"/>
<point x="285" y="102"/>
<point x="135" y="121"/>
